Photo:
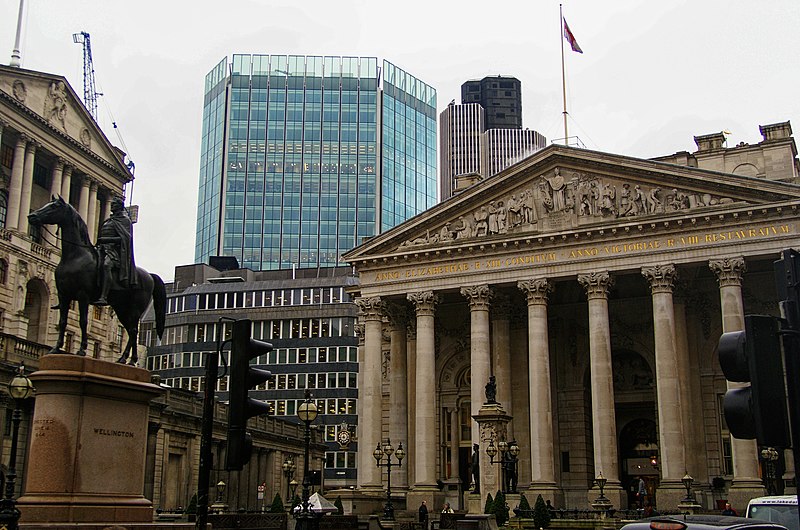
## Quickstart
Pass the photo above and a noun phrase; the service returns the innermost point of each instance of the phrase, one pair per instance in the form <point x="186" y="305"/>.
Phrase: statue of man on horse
<point x="115" y="246"/>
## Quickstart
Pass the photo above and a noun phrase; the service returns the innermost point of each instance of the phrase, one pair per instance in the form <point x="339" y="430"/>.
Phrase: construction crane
<point x="89" y="91"/>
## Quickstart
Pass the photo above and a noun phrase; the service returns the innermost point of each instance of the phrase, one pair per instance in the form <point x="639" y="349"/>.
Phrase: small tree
<point x="524" y="505"/>
<point x="541" y="515"/>
<point x="339" y="506"/>
<point x="500" y="509"/>
<point x="192" y="508"/>
<point x="277" y="504"/>
<point x="489" y="506"/>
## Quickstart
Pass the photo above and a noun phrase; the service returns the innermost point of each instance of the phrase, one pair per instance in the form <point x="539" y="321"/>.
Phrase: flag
<point x="571" y="38"/>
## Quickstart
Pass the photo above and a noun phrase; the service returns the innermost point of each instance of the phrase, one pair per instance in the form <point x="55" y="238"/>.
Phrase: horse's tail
<point x="159" y="303"/>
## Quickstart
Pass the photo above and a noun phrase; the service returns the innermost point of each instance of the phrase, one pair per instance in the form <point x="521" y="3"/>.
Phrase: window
<point x="3" y="271"/>
<point x="3" y="208"/>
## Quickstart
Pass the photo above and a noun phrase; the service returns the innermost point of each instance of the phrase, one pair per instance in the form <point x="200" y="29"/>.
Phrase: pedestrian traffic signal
<point x="241" y="407"/>
<point x="754" y="355"/>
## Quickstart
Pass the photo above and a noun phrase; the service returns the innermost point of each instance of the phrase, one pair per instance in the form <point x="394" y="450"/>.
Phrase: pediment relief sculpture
<point x="555" y="201"/>
<point x="55" y="105"/>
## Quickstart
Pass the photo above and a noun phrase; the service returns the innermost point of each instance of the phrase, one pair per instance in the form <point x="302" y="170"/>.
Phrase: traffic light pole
<point x="787" y="280"/>
<point x="206" y="432"/>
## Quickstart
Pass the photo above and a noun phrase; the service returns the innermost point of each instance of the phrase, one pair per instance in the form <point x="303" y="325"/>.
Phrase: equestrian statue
<point x="102" y="275"/>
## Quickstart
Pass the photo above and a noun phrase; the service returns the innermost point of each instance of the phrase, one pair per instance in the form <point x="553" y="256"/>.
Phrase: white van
<point x="781" y="509"/>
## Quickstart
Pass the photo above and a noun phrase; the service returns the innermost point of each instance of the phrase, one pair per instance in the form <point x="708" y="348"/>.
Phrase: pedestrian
<point x="641" y="492"/>
<point x="447" y="508"/>
<point x="423" y="514"/>
<point x="729" y="510"/>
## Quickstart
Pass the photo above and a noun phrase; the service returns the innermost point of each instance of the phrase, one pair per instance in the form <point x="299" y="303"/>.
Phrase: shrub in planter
<point x="489" y="506"/>
<point x="500" y="509"/>
<point x="541" y="515"/>
<point x="277" y="504"/>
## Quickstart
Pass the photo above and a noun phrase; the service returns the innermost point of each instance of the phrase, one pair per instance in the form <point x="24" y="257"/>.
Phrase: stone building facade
<point x="594" y="288"/>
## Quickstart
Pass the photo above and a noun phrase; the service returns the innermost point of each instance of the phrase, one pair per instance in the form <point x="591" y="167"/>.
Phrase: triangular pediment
<point x="560" y="190"/>
<point x="54" y="103"/>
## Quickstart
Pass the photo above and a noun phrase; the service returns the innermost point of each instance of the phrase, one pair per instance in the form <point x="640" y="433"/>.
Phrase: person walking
<point x="423" y="514"/>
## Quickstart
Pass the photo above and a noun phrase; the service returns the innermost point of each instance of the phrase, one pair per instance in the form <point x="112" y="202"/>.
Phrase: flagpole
<point x="563" y="75"/>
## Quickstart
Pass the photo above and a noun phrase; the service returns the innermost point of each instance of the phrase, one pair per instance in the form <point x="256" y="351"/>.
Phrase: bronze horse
<point x="77" y="279"/>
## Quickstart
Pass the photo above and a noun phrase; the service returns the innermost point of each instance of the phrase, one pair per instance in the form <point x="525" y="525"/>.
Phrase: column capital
<point x="60" y="163"/>
<point x="478" y="296"/>
<point x="729" y="271"/>
<point x="86" y="181"/>
<point x="370" y="308"/>
<point x="661" y="277"/>
<point x="397" y="314"/>
<point x="359" y="330"/>
<point x="597" y="284"/>
<point x="68" y="168"/>
<point x="537" y="290"/>
<point x="23" y="139"/>
<point x="32" y="146"/>
<point x="424" y="302"/>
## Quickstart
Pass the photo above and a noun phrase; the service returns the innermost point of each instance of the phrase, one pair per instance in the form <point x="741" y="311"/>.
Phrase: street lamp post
<point x="601" y="483"/>
<point x="508" y="462"/>
<point x="288" y="469"/>
<point x="378" y="453"/>
<point x="307" y="412"/>
<point x="20" y="388"/>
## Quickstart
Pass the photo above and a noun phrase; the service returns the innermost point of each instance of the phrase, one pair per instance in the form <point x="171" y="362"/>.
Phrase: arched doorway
<point x="36" y="305"/>
<point x="638" y="445"/>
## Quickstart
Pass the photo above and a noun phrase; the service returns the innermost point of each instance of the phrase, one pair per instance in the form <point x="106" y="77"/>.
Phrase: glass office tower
<point x="303" y="157"/>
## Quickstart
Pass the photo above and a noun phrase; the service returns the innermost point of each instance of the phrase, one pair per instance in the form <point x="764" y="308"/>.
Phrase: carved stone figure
<point x="608" y="204"/>
<point x="462" y="228"/>
<point x="491" y="390"/>
<point x="481" y="216"/>
<point x="514" y="217"/>
<point x="476" y="468"/>
<point x="493" y="227"/>
<point x="55" y="105"/>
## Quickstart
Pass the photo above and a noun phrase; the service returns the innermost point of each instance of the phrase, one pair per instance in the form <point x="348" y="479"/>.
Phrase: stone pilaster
<point x="425" y="393"/>
<point x="543" y="479"/>
<point x="729" y="272"/>
<point x="369" y="418"/>
<point x="479" y="298"/>
<point x="83" y="199"/>
<point x="604" y="430"/>
<point x="398" y="391"/>
<point x="91" y="215"/>
<point x="411" y="385"/>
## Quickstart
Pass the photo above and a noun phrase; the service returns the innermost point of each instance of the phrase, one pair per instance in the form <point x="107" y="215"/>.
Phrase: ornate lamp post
<point x="288" y="469"/>
<point x="687" y="483"/>
<point x="20" y="388"/>
<point x="770" y="456"/>
<point x="307" y="412"/>
<point x="508" y="462"/>
<point x="601" y="483"/>
<point x="387" y="449"/>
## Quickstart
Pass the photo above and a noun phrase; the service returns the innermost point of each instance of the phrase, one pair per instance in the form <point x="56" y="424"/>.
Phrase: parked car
<point x="701" y="522"/>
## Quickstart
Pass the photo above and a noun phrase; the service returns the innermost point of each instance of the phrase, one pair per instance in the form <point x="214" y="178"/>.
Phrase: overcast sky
<point x="652" y="75"/>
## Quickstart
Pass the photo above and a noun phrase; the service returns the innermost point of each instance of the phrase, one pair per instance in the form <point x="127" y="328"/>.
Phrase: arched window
<point x="3" y="208"/>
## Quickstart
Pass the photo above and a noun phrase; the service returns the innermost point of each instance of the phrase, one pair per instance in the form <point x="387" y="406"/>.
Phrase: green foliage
<point x="500" y="509"/>
<point x="296" y="501"/>
<point x="339" y="506"/>
<point x="192" y="508"/>
<point x="524" y="505"/>
<point x="541" y="515"/>
<point x="489" y="506"/>
<point x="277" y="504"/>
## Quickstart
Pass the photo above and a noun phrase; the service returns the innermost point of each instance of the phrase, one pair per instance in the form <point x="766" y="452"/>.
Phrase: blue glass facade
<point x="302" y="180"/>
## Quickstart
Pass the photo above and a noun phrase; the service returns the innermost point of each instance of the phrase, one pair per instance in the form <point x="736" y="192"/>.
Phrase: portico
<point x="597" y="308"/>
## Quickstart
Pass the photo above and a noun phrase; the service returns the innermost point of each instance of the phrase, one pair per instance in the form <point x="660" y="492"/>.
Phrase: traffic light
<point x="241" y="407"/>
<point x="754" y="355"/>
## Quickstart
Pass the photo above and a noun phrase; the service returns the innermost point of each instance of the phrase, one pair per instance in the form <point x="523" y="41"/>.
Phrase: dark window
<point x="565" y="461"/>
<point x="3" y="208"/>
<point x="41" y="176"/>
<point x="6" y="156"/>
<point x="3" y="271"/>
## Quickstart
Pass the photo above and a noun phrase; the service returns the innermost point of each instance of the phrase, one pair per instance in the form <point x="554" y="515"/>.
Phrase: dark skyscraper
<point x="501" y="99"/>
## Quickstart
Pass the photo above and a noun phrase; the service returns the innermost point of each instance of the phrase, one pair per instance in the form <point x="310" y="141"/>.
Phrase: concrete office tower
<point x="501" y="98"/>
<point x="303" y="158"/>
<point x="483" y="135"/>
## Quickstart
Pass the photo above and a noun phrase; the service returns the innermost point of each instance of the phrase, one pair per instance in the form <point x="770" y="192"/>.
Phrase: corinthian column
<point x="729" y="273"/>
<point x="91" y="214"/>
<point x="604" y="428"/>
<point x="479" y="298"/>
<point x="501" y="352"/>
<point x="425" y="392"/>
<point x="670" y="421"/>
<point x="398" y="376"/>
<point x="15" y="185"/>
<point x="27" y="188"/>
<point x="369" y="417"/>
<point x="83" y="199"/>
<point x="543" y="477"/>
<point x="66" y="183"/>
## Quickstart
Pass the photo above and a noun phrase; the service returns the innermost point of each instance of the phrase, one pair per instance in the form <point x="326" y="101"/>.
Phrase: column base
<point x="432" y="497"/>
<point x="742" y="491"/>
<point x="670" y="495"/>
<point x="547" y="491"/>
<point x="614" y="494"/>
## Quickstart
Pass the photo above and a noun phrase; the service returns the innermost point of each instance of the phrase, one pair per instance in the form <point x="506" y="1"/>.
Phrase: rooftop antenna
<point x="89" y="91"/>
<point x="15" y="55"/>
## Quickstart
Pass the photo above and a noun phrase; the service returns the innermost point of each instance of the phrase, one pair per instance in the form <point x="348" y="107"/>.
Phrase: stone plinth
<point x="492" y="425"/>
<point x="87" y="453"/>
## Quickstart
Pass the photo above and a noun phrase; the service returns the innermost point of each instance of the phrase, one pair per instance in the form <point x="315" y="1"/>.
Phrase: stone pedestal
<point x="87" y="453"/>
<point x="492" y="424"/>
